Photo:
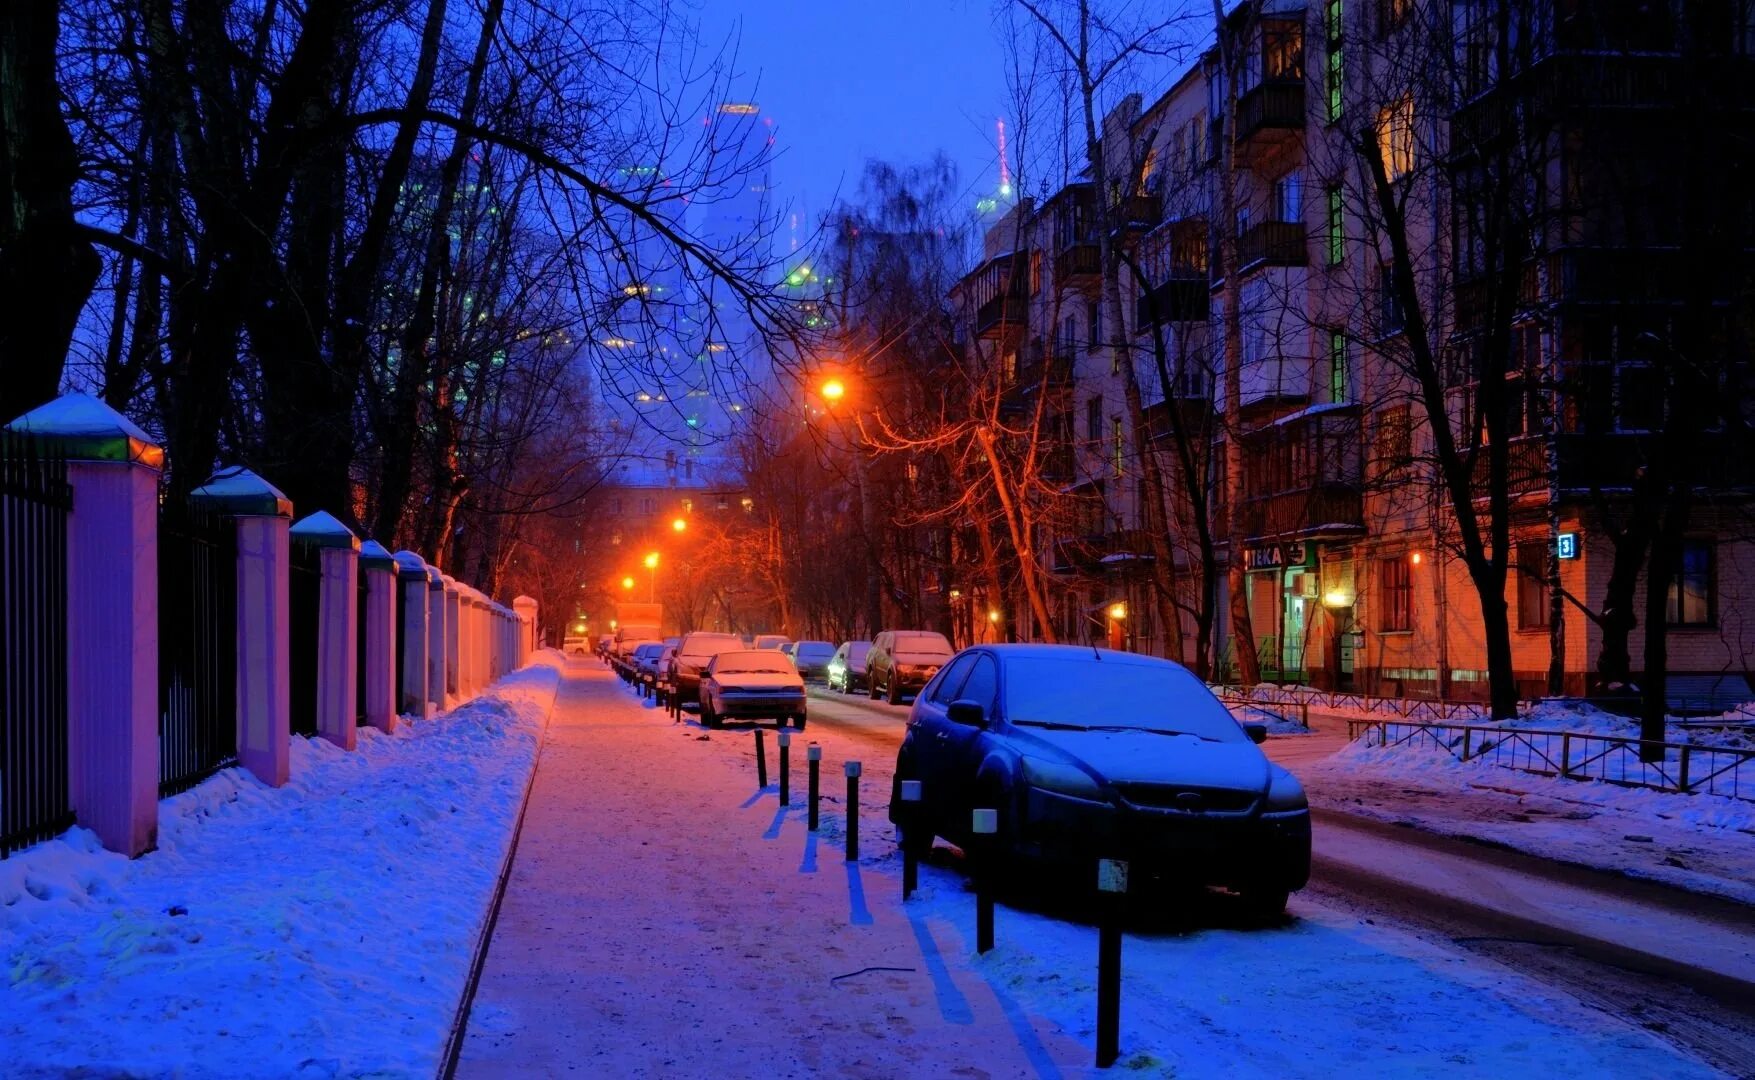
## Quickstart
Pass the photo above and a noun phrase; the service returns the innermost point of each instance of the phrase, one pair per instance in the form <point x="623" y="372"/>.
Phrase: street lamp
<point x="1118" y="610"/>
<point x="678" y="525"/>
<point x="652" y="560"/>
<point x="628" y="582"/>
<point x="651" y="577"/>
<point x="833" y="390"/>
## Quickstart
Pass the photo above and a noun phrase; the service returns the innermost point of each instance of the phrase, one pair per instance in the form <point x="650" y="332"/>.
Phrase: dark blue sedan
<point x="1087" y="754"/>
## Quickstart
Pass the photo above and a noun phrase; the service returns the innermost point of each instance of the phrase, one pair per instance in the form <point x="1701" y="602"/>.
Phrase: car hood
<point x="760" y="680"/>
<point x="1119" y="757"/>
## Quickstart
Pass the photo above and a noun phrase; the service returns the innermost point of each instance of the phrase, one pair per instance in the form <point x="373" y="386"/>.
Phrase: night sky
<point x="846" y="81"/>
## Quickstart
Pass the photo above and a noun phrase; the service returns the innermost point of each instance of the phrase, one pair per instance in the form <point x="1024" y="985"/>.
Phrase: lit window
<point x="1395" y="137"/>
<point x="1337" y="227"/>
<point x="1691" y="593"/>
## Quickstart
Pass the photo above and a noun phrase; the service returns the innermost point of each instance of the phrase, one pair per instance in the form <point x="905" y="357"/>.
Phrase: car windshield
<point x="706" y="647"/>
<point x="923" y="645"/>
<point x="1088" y="693"/>
<point x="816" y="650"/>
<point x="856" y="652"/>
<point x="752" y="662"/>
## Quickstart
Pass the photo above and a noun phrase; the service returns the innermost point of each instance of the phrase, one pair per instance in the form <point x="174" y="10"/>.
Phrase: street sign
<point x="1566" y="545"/>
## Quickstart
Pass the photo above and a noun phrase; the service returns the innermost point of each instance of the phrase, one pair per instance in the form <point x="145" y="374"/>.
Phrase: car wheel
<point x="871" y="688"/>
<point x="893" y="693"/>
<point x="800" y="719"/>
<point x="1263" y="903"/>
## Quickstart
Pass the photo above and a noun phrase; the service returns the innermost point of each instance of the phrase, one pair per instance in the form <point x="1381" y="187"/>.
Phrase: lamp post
<point x="1117" y="625"/>
<point x="833" y="390"/>
<point x="651" y="576"/>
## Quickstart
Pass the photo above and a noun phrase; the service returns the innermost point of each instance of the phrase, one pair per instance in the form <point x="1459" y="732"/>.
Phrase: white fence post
<point x="379" y="568"/>
<point x="411" y="578"/>
<point x="337" y="625"/>
<point x="112" y="617"/>
<point x="263" y="515"/>
<point x="526" y="608"/>
<point x="437" y="634"/>
<point x="453" y="639"/>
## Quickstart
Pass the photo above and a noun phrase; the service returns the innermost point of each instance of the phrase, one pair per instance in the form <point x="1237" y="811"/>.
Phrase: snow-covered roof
<point x="1314" y="410"/>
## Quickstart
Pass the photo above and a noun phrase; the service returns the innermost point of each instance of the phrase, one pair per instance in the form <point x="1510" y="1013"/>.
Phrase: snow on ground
<point x="1325" y="994"/>
<point x="324" y="928"/>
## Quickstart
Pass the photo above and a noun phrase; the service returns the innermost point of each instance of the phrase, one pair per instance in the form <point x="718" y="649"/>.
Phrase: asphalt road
<point x="1680" y="964"/>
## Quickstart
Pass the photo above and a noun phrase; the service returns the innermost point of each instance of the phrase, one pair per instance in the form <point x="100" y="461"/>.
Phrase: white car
<point x="751" y="684"/>
<point x="770" y="641"/>
<point x="576" y="646"/>
<point x="847" y="668"/>
<point x="691" y="659"/>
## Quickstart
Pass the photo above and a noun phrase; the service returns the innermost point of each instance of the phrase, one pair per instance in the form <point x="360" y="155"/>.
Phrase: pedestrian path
<point x="662" y="919"/>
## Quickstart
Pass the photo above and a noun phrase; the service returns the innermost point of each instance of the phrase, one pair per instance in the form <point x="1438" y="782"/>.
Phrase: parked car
<point x="847" y="666"/>
<point x="901" y="661"/>
<point x="605" y="642"/>
<point x="770" y="641"/>
<point x="576" y="646"/>
<point x="645" y="657"/>
<point x="661" y="672"/>
<point x="811" y="658"/>
<point x="696" y="651"/>
<point x="751" y="684"/>
<point x="1088" y="753"/>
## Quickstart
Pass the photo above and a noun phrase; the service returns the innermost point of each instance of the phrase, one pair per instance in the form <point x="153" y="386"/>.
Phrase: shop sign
<point x="1273" y="556"/>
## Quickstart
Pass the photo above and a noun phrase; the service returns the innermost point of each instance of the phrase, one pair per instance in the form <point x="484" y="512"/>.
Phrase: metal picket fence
<point x="305" y="597"/>
<point x="1684" y="768"/>
<point x="197" y="645"/>
<point x="35" y="500"/>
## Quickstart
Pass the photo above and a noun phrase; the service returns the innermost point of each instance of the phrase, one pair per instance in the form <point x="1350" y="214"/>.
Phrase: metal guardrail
<point x="1685" y="768"/>
<point x="1311" y="697"/>
<point x="1295" y="712"/>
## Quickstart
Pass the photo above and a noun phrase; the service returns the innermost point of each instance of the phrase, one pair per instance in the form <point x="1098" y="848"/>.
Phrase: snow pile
<point x="323" y="928"/>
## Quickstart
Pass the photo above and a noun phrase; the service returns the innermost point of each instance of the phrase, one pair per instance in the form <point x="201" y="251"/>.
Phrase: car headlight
<point x="1060" y="778"/>
<point x="1285" y="794"/>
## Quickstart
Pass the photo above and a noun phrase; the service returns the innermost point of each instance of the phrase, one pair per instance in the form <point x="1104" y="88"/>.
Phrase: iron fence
<point x="35" y="802"/>
<point x="1291" y="712"/>
<point x="197" y="645"/>
<point x="304" y="603"/>
<point x="1313" y="697"/>
<point x="1684" y="768"/>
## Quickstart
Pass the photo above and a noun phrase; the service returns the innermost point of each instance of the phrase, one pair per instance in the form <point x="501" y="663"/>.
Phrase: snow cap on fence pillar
<point x="323" y="529"/>
<point x="82" y="428"/>
<point x="375" y="556"/>
<point x="410" y="567"/>
<point x="239" y="492"/>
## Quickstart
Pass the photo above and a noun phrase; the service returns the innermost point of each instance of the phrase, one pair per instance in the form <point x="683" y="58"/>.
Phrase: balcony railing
<point x="1001" y="316"/>
<point x="1272" y="106"/>
<point x="1607" y="462"/>
<point x="1580" y="275"/>
<point x="1328" y="506"/>
<point x="1273" y="243"/>
<point x="1077" y="263"/>
<point x="1185" y="297"/>
<point x="1585" y="80"/>
<point x="1042" y="365"/>
<point x="1112" y="552"/>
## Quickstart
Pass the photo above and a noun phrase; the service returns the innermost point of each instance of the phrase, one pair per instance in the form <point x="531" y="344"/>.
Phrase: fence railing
<point x="35" y="799"/>
<point x="304" y="609"/>
<point x="1313" y="697"/>
<point x="197" y="645"/>
<point x="1292" y="712"/>
<point x="1685" y="768"/>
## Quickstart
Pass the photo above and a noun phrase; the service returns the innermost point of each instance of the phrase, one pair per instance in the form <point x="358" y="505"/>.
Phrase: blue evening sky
<point x="847" y="80"/>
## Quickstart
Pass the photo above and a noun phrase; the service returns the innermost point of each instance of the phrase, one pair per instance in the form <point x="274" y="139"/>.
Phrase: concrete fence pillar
<point x="112" y="617"/>
<point x="263" y="516"/>
<point x="337" y="625"/>
<point x="437" y="634"/>
<point x="526" y="607"/>
<point x="411" y="578"/>
<point x="453" y="632"/>
<point x="379" y="569"/>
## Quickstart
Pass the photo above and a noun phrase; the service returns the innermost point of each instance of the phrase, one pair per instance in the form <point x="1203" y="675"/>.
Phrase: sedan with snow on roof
<point x="753" y="684"/>
<point x="1087" y="753"/>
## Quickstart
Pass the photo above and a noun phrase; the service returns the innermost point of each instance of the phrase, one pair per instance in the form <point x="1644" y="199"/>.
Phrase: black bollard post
<point x="985" y="825"/>
<point x="814" y="754"/>
<point x="910" y="817"/>
<point x="784" y="738"/>
<point x="1112" y="890"/>
<point x="852" y="770"/>
<point x="761" y="760"/>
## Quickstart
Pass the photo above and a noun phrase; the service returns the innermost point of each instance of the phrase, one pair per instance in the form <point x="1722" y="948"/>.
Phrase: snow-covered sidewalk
<point x="324" y="928"/>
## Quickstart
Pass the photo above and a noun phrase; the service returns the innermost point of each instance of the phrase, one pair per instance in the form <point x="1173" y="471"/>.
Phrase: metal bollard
<point x="761" y="761"/>
<point x="784" y="738"/>
<point x="985" y="825"/>
<point x="910" y="817"/>
<point x="852" y="769"/>
<point x="1112" y="885"/>
<point x="814" y="755"/>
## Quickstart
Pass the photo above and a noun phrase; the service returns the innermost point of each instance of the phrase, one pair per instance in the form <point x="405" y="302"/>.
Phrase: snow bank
<point x="323" y="928"/>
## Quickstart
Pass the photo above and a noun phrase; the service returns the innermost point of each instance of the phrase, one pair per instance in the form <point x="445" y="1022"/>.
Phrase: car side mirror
<point x="968" y="713"/>
<point x="1257" y="732"/>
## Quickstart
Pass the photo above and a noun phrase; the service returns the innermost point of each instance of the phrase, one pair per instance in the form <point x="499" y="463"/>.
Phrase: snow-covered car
<point x="901" y="661"/>
<point x="1087" y="753"/>
<point x="751" y="684"/>
<point x="770" y="641"/>
<point x="811" y="659"/>
<point x="605" y="643"/>
<point x="645" y="658"/>
<point x="576" y="646"/>
<point x="847" y="667"/>
<point x="693" y="654"/>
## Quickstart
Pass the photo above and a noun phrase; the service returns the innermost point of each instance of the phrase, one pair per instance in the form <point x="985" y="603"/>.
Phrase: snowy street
<point x="655" y="891"/>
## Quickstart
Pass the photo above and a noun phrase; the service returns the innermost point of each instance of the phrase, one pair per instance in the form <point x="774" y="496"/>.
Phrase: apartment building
<point x="1530" y="151"/>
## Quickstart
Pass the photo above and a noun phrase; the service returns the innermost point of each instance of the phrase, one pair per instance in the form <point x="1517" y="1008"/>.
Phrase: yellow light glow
<point x="627" y="583"/>
<point x="652" y="560"/>
<point x="1335" y="598"/>
<point x="834" y="390"/>
<point x="1118" y="611"/>
<point x="613" y="624"/>
<point x="992" y="616"/>
<point x="1415" y="558"/>
<point x="678" y="524"/>
<point x="956" y="594"/>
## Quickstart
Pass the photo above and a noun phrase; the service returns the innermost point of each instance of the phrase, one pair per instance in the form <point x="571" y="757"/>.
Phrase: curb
<point x="466" y="1002"/>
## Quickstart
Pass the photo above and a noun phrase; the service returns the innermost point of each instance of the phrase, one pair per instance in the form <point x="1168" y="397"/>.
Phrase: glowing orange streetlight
<point x="651" y="560"/>
<point x="678" y="525"/>
<point x="833" y="390"/>
<point x="627" y="582"/>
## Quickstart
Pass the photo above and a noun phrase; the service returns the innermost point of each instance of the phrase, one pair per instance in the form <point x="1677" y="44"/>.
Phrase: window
<point x="1094" y="320"/>
<point x="1335" y="230"/>
<point x="982" y="685"/>
<point x="1391" y="318"/>
<point x="1391" y="14"/>
<point x="1395" y="438"/>
<point x="1532" y="585"/>
<point x="1288" y="195"/>
<point x="1094" y="419"/>
<point x="1395" y="583"/>
<point x="1340" y="378"/>
<point x="1395" y="137"/>
<point x="951" y="680"/>
<point x="1693" y="599"/>
<point x="1335" y="72"/>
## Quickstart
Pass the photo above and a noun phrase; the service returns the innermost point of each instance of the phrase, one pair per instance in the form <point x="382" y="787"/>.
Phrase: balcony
<point x="1302" y="475"/>
<point x="1324" y="509"/>
<point x="1270" y="111"/>
<point x="1184" y="297"/>
<point x="1141" y="213"/>
<point x="1041" y="367"/>
<point x="1606" y="462"/>
<point x="1101" y="553"/>
<point x="1579" y="275"/>
<point x="1078" y="265"/>
<point x="1003" y="316"/>
<point x="1273" y="243"/>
